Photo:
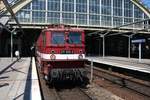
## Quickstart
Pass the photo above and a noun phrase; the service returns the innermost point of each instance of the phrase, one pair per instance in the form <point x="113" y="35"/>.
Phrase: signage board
<point x="138" y="41"/>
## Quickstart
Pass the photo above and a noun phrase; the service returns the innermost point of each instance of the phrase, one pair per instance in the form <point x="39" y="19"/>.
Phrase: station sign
<point x="138" y="41"/>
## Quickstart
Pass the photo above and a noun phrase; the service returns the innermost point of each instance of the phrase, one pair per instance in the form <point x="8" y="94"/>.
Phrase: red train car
<point x="60" y="53"/>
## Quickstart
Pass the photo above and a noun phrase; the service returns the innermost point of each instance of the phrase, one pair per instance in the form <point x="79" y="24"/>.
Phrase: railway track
<point x="65" y="93"/>
<point x="72" y="94"/>
<point x="140" y="86"/>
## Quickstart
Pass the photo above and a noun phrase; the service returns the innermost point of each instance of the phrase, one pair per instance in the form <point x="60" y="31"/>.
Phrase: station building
<point x="91" y="15"/>
<point x="87" y="13"/>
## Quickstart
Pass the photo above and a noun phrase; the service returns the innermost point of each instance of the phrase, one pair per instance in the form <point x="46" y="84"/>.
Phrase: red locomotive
<point x="60" y="53"/>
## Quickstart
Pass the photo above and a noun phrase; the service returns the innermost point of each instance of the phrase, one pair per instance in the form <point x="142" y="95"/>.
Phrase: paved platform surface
<point x="16" y="81"/>
<point x="132" y="63"/>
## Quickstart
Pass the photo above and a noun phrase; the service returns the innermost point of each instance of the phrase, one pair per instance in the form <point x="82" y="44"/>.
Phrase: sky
<point x="147" y="2"/>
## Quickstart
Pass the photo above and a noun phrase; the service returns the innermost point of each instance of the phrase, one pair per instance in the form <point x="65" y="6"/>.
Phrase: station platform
<point x="18" y="79"/>
<point x="122" y="62"/>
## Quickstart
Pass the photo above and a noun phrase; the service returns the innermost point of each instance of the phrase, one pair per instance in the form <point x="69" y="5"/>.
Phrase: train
<point x="60" y="53"/>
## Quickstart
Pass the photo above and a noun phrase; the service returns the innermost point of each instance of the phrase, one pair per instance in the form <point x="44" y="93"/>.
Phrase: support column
<point x="100" y="46"/>
<point x="46" y="5"/>
<point x="133" y="15"/>
<point x="123" y="11"/>
<point x="103" y="46"/>
<point x="61" y="21"/>
<point x="100" y="7"/>
<point x="31" y="13"/>
<point x="91" y="71"/>
<point x="112" y="10"/>
<point x="75" y="12"/>
<point x="140" y="52"/>
<point x="88" y="12"/>
<point x="0" y="42"/>
<point x="11" y="46"/>
<point x="129" y="45"/>
<point x="19" y="46"/>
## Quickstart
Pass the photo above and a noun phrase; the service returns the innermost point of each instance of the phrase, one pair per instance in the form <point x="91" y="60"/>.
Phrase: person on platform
<point x="17" y="54"/>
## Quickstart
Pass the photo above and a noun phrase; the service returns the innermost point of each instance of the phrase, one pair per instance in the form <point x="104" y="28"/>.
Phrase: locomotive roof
<point x="62" y="28"/>
<point x="65" y="29"/>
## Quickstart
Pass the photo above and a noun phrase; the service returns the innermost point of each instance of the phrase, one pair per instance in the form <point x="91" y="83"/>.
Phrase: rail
<point x="73" y="93"/>
<point x="128" y="82"/>
<point x="61" y="92"/>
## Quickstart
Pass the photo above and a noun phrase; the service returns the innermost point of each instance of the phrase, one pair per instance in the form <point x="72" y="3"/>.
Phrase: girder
<point x="16" y="6"/>
<point x="141" y="6"/>
<point x="20" y="5"/>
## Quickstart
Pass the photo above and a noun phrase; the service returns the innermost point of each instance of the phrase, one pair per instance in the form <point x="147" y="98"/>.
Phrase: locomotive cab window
<point x="58" y="38"/>
<point x="74" y="38"/>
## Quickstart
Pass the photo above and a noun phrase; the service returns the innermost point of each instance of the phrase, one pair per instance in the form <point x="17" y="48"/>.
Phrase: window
<point x="94" y="20"/>
<point x="106" y="7"/>
<point x="58" y="38"/>
<point x="128" y="8"/>
<point x="81" y="19"/>
<point x="81" y="6"/>
<point x="106" y="20"/>
<point x="137" y="12"/>
<point x="127" y="21"/>
<point x="117" y="21"/>
<point x="53" y="17"/>
<point x="38" y="5"/>
<point x="94" y="6"/>
<point x="24" y="16"/>
<point x="68" y="18"/>
<point x="68" y="5"/>
<point x="117" y="7"/>
<point x="54" y="5"/>
<point x="38" y="16"/>
<point x="74" y="38"/>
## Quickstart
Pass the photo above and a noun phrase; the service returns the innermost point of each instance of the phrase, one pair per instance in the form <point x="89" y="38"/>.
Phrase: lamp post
<point x="11" y="46"/>
<point x="12" y="33"/>
<point x="129" y="46"/>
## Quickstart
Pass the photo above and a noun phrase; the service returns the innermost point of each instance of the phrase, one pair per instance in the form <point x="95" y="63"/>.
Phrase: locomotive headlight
<point x="80" y="56"/>
<point x="52" y="51"/>
<point x="80" y="51"/>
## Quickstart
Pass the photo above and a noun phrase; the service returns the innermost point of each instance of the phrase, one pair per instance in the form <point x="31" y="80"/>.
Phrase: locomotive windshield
<point x="58" y="38"/>
<point x="74" y="38"/>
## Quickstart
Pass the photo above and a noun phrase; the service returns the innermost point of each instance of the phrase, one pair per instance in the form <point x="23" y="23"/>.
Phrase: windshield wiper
<point x="55" y="40"/>
<point x="71" y="40"/>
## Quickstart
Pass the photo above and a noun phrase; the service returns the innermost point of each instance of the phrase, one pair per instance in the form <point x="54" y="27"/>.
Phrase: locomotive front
<point x="62" y="54"/>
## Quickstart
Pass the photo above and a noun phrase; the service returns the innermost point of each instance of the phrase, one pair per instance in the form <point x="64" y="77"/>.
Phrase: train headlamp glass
<point x="80" y="51"/>
<point x="80" y="56"/>
<point x="52" y="51"/>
